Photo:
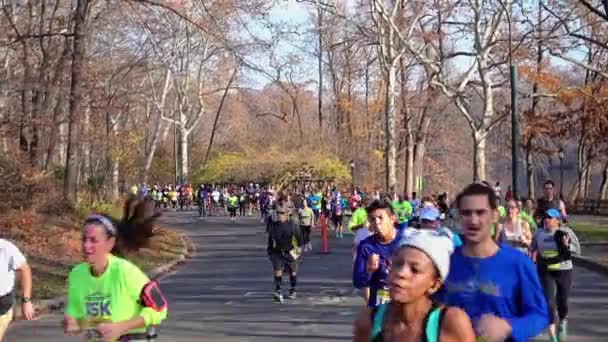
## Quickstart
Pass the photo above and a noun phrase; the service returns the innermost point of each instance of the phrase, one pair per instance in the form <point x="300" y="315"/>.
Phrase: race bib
<point x="383" y="297"/>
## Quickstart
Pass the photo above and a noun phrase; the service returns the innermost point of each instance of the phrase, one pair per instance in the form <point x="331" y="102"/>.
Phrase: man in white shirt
<point x="12" y="260"/>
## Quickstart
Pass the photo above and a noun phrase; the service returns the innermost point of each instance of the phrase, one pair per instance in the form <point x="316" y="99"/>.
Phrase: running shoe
<point x="277" y="297"/>
<point x="562" y="331"/>
<point x="292" y="294"/>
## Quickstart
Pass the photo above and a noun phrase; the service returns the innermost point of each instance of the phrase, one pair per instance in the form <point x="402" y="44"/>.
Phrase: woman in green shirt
<point x="104" y="291"/>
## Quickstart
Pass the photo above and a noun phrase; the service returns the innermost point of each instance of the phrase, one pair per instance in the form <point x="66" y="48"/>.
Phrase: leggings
<point x="306" y="234"/>
<point x="556" y="285"/>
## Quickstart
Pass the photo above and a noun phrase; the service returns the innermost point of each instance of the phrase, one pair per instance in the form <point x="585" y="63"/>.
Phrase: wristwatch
<point x="26" y="299"/>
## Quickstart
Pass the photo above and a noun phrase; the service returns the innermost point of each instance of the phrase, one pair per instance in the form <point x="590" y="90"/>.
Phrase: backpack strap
<point x="377" y="322"/>
<point x="432" y="328"/>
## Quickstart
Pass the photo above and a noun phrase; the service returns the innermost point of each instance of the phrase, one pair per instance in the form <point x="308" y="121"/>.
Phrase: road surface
<point x="224" y="293"/>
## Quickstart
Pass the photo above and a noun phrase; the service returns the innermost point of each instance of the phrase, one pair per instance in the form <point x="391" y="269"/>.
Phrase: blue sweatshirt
<point x="505" y="285"/>
<point x="376" y="281"/>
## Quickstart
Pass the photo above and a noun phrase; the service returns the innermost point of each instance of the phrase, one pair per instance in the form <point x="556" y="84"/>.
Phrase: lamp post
<point x="560" y="154"/>
<point x="352" y="174"/>
<point x="514" y="118"/>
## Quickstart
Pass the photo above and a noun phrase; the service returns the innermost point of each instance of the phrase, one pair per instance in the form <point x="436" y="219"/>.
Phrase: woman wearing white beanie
<point x="419" y="268"/>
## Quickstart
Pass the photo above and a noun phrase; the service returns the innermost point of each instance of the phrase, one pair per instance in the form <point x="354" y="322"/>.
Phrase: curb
<point x="594" y="243"/>
<point x="49" y="305"/>
<point x="591" y="265"/>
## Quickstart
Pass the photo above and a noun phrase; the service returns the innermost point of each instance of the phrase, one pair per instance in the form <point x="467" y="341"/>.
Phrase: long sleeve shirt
<point x="505" y="285"/>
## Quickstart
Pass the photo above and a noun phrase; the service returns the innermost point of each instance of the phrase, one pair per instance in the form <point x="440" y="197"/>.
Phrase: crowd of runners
<point x="478" y="267"/>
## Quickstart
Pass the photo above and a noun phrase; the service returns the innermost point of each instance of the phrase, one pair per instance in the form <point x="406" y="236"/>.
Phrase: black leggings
<point x="306" y="234"/>
<point x="556" y="285"/>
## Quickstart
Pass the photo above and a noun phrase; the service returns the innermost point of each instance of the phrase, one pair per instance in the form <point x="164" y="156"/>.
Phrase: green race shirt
<point x="403" y="210"/>
<point x="359" y="218"/>
<point x="111" y="297"/>
<point x="233" y="201"/>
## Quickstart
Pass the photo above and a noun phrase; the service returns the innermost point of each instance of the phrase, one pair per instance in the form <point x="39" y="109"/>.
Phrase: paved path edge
<point x="591" y="265"/>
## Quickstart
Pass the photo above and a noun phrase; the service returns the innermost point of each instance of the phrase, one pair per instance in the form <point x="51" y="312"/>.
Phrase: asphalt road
<point x="224" y="293"/>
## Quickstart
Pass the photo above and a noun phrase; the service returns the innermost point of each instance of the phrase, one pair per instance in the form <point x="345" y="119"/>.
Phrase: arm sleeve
<point x="75" y="307"/>
<point x="361" y="278"/>
<point x="136" y="280"/>
<point x="534" y="316"/>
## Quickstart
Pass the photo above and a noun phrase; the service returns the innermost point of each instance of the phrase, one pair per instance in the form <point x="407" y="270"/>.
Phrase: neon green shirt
<point x="233" y="201"/>
<point x="111" y="297"/>
<point x="358" y="218"/>
<point x="403" y="210"/>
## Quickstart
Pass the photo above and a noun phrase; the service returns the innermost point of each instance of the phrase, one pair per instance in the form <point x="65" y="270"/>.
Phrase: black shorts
<point x="232" y="211"/>
<point x="281" y="262"/>
<point x="337" y="219"/>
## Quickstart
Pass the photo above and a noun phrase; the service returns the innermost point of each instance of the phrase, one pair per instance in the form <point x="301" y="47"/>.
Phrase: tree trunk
<point x="320" y="65"/>
<point x="408" y="181"/>
<point x="86" y="146"/>
<point x="390" y="148"/>
<point x="479" y="158"/>
<point x="183" y="149"/>
<point x="420" y="147"/>
<point x="604" y="186"/>
<point x="153" y="145"/>
<point x="115" y="167"/>
<point x="217" y="116"/>
<point x="78" y="60"/>
<point x="409" y="167"/>
<point x="580" y="162"/>
<point x="531" y="181"/>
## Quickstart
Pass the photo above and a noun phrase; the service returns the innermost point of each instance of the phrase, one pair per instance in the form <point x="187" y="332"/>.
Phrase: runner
<point x="307" y="220"/>
<point x="337" y="214"/>
<point x="106" y="293"/>
<point x="495" y="284"/>
<point x="370" y="270"/>
<point x="360" y="226"/>
<point x="13" y="262"/>
<point x="419" y="268"/>
<point x="284" y="250"/>
<point x="514" y="231"/>
<point x="549" y="201"/>
<point x="403" y="210"/>
<point x="553" y="247"/>
<point x="232" y="205"/>
<point x="429" y="220"/>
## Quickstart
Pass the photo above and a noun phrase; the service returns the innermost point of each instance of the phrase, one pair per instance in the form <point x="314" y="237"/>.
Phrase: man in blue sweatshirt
<point x="496" y="285"/>
<point x="374" y="254"/>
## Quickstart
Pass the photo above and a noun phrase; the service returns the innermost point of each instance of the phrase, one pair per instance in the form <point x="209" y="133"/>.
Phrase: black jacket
<point x="280" y="236"/>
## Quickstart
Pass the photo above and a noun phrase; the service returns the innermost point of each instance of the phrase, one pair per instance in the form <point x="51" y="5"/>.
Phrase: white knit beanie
<point x="437" y="245"/>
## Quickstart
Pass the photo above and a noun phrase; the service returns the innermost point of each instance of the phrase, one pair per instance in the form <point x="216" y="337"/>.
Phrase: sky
<point x="297" y="14"/>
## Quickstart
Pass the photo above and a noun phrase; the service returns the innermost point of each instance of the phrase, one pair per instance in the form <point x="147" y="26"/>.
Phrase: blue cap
<point x="429" y="214"/>
<point x="553" y="213"/>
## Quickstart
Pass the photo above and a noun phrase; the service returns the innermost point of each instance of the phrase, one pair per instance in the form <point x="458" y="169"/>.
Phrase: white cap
<point x="437" y="245"/>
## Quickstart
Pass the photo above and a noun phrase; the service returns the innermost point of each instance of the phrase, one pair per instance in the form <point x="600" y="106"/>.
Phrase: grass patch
<point x="590" y="231"/>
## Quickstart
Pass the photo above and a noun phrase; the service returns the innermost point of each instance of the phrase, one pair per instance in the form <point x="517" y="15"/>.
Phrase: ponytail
<point x="136" y="228"/>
